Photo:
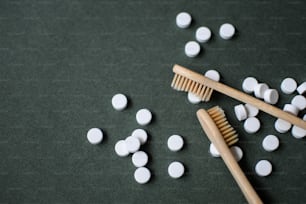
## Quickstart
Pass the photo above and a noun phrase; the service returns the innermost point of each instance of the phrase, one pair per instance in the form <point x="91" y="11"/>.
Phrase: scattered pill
<point x="213" y="74"/>
<point x="251" y="125"/>
<point x="203" y="34"/>
<point x="192" y="98"/>
<point x="192" y="49"/>
<point x="213" y="150"/>
<point x="251" y="110"/>
<point x="140" y="158"/>
<point x="298" y="132"/>
<point x="95" y="136"/>
<point x="183" y="20"/>
<point x="176" y="169"/>
<point x="299" y="101"/>
<point x="121" y="149"/>
<point x="249" y="84"/>
<point x="175" y="143"/>
<point x="288" y="85"/>
<point x="226" y="31"/>
<point x="119" y="102"/>
<point x="240" y="112"/>
<point x="270" y="143"/>
<point x="271" y="96"/>
<point x="263" y="168"/>
<point x="141" y="134"/>
<point x="143" y="116"/>
<point x="237" y="152"/>
<point x="132" y="144"/>
<point x="142" y="175"/>
<point x="282" y="126"/>
<point x="259" y="90"/>
<point x="291" y="109"/>
<point x="301" y="89"/>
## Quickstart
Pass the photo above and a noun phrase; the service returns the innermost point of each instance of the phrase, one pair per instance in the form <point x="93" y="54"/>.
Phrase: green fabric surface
<point x="62" y="61"/>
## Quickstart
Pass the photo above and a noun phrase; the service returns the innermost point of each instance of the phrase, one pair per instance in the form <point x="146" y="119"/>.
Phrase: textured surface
<point x="62" y="61"/>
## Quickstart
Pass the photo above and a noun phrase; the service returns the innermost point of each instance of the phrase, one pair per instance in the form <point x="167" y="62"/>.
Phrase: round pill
<point x="237" y="152"/>
<point x="288" y="85"/>
<point x="203" y="34"/>
<point x="142" y="175"/>
<point x="270" y="143"/>
<point x="175" y="143"/>
<point x="95" y="136"/>
<point x="140" y="159"/>
<point x="299" y="101"/>
<point x="119" y="102"/>
<point x="141" y="134"/>
<point x="291" y="109"/>
<point x="301" y="89"/>
<point x="176" y="169"/>
<point x="213" y="150"/>
<point x="192" y="98"/>
<point x="259" y="90"/>
<point x="192" y="49"/>
<point x="143" y="116"/>
<point x="251" y="125"/>
<point x="249" y="84"/>
<point x="282" y="126"/>
<point x="251" y="110"/>
<point x="271" y="96"/>
<point x="183" y="20"/>
<point x="263" y="168"/>
<point x="213" y="74"/>
<point x="121" y="149"/>
<point x="240" y="112"/>
<point x="132" y="144"/>
<point x="298" y="132"/>
<point x="226" y="31"/>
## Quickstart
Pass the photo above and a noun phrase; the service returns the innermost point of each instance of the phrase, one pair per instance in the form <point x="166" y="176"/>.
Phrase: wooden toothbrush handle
<point x="240" y="96"/>
<point x="217" y="139"/>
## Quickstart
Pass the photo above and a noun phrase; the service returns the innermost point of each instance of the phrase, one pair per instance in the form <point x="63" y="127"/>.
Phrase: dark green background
<point x="62" y="61"/>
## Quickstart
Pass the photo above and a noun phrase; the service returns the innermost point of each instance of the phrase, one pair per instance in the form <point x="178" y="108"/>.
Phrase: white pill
<point x="175" y="143"/>
<point x="95" y="136"/>
<point x="141" y="134"/>
<point x="213" y="150"/>
<point x="251" y="110"/>
<point x="240" y="112"/>
<point x="132" y="144"/>
<point x="288" y="85"/>
<point x="291" y="109"/>
<point x="259" y="90"/>
<point x="299" y="101"/>
<point x="282" y="126"/>
<point x="119" y="102"/>
<point x="192" y="98"/>
<point x="298" y="132"/>
<point x="251" y="125"/>
<point x="263" y="168"/>
<point x="121" y="149"/>
<point x="142" y="175"/>
<point x="143" y="116"/>
<point x="183" y="20"/>
<point x="302" y="88"/>
<point x="271" y="96"/>
<point x="249" y="84"/>
<point x="192" y="49"/>
<point x="203" y="34"/>
<point x="176" y="169"/>
<point x="270" y="143"/>
<point x="213" y="74"/>
<point x="226" y="31"/>
<point x="140" y="158"/>
<point x="237" y="152"/>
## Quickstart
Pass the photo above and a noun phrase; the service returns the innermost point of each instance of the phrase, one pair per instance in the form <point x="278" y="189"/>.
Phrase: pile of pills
<point x="175" y="169"/>
<point x="202" y="35"/>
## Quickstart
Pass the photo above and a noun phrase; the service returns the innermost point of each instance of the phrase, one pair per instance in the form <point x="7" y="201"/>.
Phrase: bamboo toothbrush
<point x="187" y="80"/>
<point x="216" y="127"/>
